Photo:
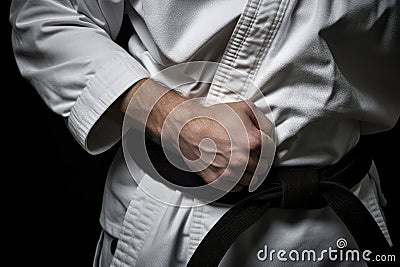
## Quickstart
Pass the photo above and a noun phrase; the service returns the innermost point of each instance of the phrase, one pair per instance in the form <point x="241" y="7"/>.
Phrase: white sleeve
<point x="65" y="48"/>
<point x="366" y="46"/>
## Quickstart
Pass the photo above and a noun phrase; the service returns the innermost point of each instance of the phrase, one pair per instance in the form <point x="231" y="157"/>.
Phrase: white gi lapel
<point x="247" y="47"/>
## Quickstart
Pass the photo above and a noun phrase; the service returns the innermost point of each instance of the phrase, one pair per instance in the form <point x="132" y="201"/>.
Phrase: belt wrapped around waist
<point x="285" y="187"/>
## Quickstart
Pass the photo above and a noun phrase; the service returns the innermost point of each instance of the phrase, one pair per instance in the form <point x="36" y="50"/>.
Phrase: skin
<point x="198" y="126"/>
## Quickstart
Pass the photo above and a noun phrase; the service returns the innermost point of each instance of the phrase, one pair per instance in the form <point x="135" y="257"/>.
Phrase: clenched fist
<point x="227" y="144"/>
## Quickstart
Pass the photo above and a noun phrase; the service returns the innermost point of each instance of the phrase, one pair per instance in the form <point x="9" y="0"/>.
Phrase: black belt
<point x="290" y="188"/>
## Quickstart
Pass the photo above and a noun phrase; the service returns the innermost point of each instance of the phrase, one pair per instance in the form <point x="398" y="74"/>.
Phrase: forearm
<point x="148" y="104"/>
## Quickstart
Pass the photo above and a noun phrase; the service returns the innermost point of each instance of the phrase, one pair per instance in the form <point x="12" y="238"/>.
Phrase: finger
<point x="267" y="154"/>
<point x="267" y="151"/>
<point x="237" y="188"/>
<point x="258" y="118"/>
<point x="250" y="108"/>
<point x="263" y="123"/>
<point x="246" y="179"/>
<point x="253" y="161"/>
<point x="225" y="184"/>
<point x="208" y="175"/>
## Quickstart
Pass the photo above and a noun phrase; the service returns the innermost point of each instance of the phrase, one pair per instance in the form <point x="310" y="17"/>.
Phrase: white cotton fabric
<point x="326" y="68"/>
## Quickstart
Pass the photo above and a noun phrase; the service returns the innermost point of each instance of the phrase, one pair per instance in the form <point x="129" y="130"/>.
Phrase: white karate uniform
<point x="326" y="68"/>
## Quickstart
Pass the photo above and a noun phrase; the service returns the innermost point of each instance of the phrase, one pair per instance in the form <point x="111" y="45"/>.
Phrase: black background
<point x="56" y="198"/>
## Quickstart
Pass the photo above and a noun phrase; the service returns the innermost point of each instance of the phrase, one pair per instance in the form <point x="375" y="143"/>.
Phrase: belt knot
<point x="300" y="186"/>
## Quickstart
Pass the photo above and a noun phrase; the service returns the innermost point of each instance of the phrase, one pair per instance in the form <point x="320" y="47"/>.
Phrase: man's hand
<point x="235" y="134"/>
<point x="205" y="132"/>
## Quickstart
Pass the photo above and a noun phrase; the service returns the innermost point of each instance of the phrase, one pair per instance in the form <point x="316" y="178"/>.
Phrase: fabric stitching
<point x="242" y="41"/>
<point x="270" y="36"/>
<point x="241" y="38"/>
<point x="196" y="230"/>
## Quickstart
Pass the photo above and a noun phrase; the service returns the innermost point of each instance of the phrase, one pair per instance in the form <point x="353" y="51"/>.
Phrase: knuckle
<point x="239" y="161"/>
<point x="243" y="105"/>
<point x="254" y="142"/>
<point x="219" y="173"/>
<point x="211" y="177"/>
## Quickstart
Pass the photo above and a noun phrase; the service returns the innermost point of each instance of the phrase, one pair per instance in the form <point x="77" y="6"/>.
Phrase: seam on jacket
<point x="196" y="230"/>
<point x="112" y="228"/>
<point x="136" y="226"/>
<point x="122" y="252"/>
<point x="110" y="33"/>
<point x="241" y="38"/>
<point x="235" y="43"/>
<point x="270" y="37"/>
<point x="375" y="210"/>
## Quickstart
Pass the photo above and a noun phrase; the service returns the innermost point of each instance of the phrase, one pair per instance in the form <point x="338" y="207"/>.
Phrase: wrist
<point x="127" y="97"/>
<point x="161" y="110"/>
<point x="148" y="103"/>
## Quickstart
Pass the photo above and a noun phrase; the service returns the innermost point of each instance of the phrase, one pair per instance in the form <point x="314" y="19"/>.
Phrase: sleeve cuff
<point x="110" y="81"/>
